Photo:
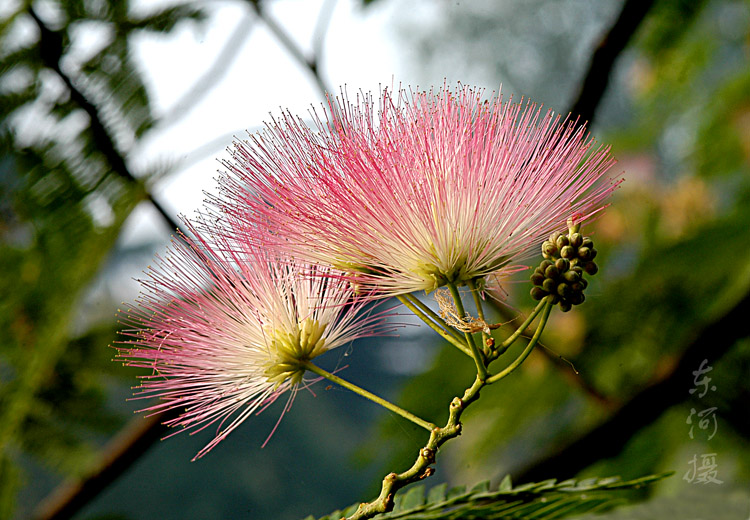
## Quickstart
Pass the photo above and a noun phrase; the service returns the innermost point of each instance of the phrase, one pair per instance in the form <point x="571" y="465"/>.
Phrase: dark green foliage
<point x="534" y="501"/>
<point x="62" y="208"/>
<point x="669" y="21"/>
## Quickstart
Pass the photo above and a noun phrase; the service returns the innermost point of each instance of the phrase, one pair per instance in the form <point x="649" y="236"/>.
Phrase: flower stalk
<point x="438" y="325"/>
<point x="487" y="340"/>
<point x="534" y="340"/>
<point x="372" y="397"/>
<point x="434" y="316"/>
<point x="475" y="353"/>
<point x="513" y="337"/>
<point x="421" y="468"/>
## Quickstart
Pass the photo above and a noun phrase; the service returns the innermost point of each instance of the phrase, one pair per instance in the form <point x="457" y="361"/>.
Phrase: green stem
<point x="513" y="337"/>
<point x="480" y="312"/>
<point x="435" y="317"/>
<point x="372" y="397"/>
<point x="438" y="436"/>
<point x="476" y="354"/>
<point x="534" y="340"/>
<point x="448" y="336"/>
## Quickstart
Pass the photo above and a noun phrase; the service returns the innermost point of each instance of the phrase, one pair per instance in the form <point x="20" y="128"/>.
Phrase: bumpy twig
<point x="126" y="447"/>
<point x="421" y="468"/>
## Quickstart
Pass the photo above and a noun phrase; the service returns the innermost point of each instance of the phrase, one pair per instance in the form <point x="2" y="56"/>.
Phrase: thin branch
<point x="602" y="61"/>
<point x="311" y="64"/>
<point x="211" y="77"/>
<point x="117" y="456"/>
<point x="51" y="51"/>
<point x="529" y="347"/>
<point x="572" y="377"/>
<point x="321" y="28"/>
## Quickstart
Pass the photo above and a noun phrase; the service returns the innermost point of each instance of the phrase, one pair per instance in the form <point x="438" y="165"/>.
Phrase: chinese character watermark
<point x="705" y="418"/>
<point x="707" y="471"/>
<point x="702" y="381"/>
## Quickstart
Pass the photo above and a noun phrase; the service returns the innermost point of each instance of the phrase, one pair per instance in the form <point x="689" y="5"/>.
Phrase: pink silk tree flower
<point x="423" y="189"/>
<point x="226" y="329"/>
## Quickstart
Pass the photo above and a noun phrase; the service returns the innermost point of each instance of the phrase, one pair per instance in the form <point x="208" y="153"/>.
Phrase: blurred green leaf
<point x="62" y="210"/>
<point x="541" y="501"/>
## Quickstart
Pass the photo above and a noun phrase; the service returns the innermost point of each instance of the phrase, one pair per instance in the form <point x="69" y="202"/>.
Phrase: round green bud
<point x="584" y="283"/>
<point x="538" y="293"/>
<point x="552" y="272"/>
<point x="549" y="249"/>
<point x="549" y="285"/>
<point x="577" y="269"/>
<point x="577" y="287"/>
<point x="576" y="298"/>
<point x="537" y="278"/>
<point x="554" y="236"/>
<point x="568" y="252"/>
<point x="565" y="306"/>
<point x="576" y="239"/>
<point x="562" y="264"/>
<point x="584" y="253"/>
<point x="564" y="290"/>
<point x="587" y="242"/>
<point x="545" y="264"/>
<point x="591" y="268"/>
<point x="571" y="276"/>
<point x="593" y="253"/>
<point x="562" y="241"/>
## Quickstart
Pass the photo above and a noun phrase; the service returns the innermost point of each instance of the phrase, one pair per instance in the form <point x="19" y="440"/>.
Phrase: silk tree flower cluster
<point x="420" y="190"/>
<point x="425" y="188"/>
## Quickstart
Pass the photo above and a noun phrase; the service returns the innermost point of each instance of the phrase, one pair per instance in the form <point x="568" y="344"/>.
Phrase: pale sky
<point x="359" y="52"/>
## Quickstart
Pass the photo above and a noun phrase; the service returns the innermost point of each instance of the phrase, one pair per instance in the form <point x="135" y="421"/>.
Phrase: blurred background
<point x="112" y="117"/>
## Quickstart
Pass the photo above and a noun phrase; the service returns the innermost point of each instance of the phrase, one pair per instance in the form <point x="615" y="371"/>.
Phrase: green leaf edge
<point x="548" y="499"/>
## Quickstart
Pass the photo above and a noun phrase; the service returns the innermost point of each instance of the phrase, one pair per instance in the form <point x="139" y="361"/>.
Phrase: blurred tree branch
<point x="51" y="52"/>
<point x="127" y="446"/>
<point x="311" y="63"/>
<point x="710" y="342"/>
<point x="602" y="61"/>
<point x="211" y="77"/>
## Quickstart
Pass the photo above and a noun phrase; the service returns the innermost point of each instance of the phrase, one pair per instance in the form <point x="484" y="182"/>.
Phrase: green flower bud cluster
<point x="566" y="259"/>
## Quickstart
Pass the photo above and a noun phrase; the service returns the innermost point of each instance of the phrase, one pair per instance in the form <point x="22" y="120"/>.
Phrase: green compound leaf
<point x="546" y="500"/>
